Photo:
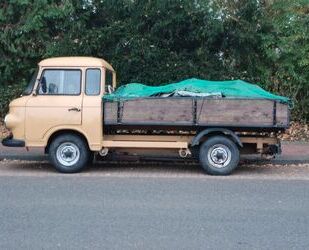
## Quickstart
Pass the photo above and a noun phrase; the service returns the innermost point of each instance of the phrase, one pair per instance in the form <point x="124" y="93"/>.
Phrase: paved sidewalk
<point x="292" y="152"/>
<point x="34" y="154"/>
<point x="295" y="149"/>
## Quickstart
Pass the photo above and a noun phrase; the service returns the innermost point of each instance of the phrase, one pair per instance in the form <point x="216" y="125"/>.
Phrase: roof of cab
<point x="75" y="61"/>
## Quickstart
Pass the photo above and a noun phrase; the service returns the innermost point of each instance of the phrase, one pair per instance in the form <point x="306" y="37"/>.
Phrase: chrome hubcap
<point x="219" y="155"/>
<point x="68" y="154"/>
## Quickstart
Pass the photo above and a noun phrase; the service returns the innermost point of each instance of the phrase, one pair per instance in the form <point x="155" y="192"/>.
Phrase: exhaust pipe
<point x="103" y="152"/>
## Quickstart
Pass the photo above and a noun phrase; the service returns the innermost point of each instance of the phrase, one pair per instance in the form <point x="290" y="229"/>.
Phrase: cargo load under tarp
<point x="196" y="104"/>
<point x="235" y="89"/>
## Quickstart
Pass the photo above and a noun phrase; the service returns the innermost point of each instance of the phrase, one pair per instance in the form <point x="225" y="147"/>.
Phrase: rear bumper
<point x="10" y="142"/>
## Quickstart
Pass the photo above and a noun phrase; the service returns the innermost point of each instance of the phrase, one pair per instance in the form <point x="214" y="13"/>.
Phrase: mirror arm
<point x="36" y="90"/>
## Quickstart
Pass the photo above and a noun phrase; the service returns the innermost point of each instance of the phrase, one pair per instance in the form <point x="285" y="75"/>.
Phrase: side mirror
<point x="42" y="85"/>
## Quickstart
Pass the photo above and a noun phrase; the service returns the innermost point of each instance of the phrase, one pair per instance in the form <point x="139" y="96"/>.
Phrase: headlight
<point x="10" y="121"/>
<point x="5" y="120"/>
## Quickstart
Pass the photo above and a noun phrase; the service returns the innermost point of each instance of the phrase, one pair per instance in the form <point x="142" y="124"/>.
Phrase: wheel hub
<point x="68" y="154"/>
<point x="219" y="155"/>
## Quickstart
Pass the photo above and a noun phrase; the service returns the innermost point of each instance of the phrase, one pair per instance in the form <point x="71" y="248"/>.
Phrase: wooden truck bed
<point x="190" y="112"/>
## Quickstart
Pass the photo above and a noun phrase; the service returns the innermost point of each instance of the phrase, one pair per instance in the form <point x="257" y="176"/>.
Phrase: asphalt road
<point x="167" y="205"/>
<point x="79" y="212"/>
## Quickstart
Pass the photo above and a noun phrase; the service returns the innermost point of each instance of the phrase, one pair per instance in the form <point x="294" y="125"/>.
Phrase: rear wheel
<point x="69" y="153"/>
<point x="219" y="155"/>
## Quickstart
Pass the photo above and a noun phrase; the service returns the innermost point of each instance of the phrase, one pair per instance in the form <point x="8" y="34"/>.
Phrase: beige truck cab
<point x="62" y="111"/>
<point x="64" y="96"/>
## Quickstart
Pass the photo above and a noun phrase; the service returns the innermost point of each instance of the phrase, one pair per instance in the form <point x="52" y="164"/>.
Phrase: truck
<point x="63" y="111"/>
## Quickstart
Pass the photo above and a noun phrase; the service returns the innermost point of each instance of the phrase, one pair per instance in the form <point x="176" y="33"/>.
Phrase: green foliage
<point x="8" y="93"/>
<point x="265" y="42"/>
<point x="286" y="50"/>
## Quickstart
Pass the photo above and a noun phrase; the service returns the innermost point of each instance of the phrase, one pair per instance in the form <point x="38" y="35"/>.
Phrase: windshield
<point x="29" y="88"/>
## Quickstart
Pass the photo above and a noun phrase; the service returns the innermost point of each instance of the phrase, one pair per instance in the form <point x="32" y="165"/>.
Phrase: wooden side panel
<point x="234" y="112"/>
<point x="110" y="112"/>
<point x="282" y="114"/>
<point x="158" y="111"/>
<point x="180" y="111"/>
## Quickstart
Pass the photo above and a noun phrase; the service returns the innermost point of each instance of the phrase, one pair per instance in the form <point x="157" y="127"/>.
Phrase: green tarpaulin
<point x="235" y="89"/>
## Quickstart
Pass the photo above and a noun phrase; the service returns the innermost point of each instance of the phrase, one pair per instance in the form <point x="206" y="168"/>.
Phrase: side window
<point x="60" y="82"/>
<point x="108" y="80"/>
<point x="93" y="81"/>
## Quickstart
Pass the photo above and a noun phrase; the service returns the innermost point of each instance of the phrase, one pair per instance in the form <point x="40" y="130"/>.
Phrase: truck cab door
<point x="57" y="102"/>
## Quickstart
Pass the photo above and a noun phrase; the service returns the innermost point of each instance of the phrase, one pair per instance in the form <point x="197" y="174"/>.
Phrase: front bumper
<point x="10" y="142"/>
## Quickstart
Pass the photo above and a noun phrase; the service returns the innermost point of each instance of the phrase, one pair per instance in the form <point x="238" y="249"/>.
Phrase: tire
<point x="219" y="155"/>
<point x="69" y="153"/>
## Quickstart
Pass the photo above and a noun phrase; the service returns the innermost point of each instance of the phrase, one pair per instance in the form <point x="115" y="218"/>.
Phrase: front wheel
<point x="69" y="153"/>
<point x="219" y="155"/>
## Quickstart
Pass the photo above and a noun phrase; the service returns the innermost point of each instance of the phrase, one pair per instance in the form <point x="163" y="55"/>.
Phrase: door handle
<point x="74" y="109"/>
